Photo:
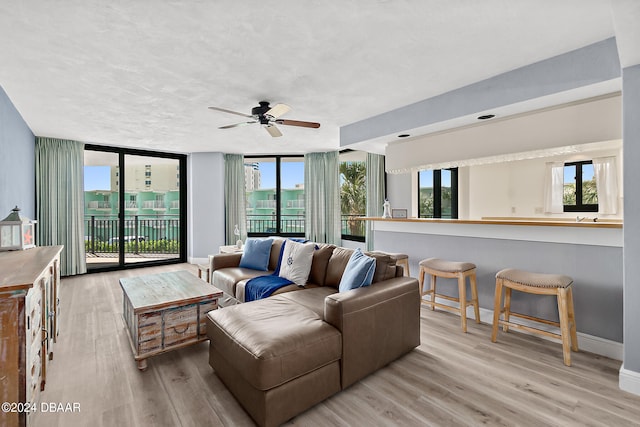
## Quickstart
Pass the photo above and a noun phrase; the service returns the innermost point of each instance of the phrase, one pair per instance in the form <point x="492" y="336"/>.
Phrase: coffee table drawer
<point x="204" y="308"/>
<point x="180" y="324"/>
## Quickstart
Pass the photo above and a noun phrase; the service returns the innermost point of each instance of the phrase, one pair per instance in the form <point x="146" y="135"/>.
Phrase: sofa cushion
<point x="335" y="267"/>
<point x="274" y="257"/>
<point x="241" y="288"/>
<point x="296" y="261"/>
<point x="273" y="340"/>
<point x="358" y="272"/>
<point x="385" y="266"/>
<point x="227" y="278"/>
<point x="313" y="299"/>
<point x="319" y="263"/>
<point x="256" y="254"/>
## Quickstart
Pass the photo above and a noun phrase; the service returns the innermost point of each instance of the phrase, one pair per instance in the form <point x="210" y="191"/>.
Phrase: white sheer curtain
<point x="375" y="192"/>
<point x="554" y="187"/>
<point x="234" y="197"/>
<point x="60" y="200"/>
<point x="322" y="197"/>
<point x="606" y="175"/>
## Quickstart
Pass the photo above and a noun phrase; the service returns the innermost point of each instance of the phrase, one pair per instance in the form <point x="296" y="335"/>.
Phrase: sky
<point x="292" y="173"/>
<point x="97" y="178"/>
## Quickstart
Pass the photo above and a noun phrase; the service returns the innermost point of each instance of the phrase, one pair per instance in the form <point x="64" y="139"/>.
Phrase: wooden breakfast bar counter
<point x="590" y="252"/>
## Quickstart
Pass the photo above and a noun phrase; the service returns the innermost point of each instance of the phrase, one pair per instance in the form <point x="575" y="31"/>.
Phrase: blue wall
<point x="17" y="161"/>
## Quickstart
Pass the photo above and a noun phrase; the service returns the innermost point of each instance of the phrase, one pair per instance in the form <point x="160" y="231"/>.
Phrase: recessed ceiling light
<point x="486" y="117"/>
<point x="403" y="135"/>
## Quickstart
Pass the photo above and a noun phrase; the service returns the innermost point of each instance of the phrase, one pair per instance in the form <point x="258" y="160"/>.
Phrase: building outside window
<point x="275" y="195"/>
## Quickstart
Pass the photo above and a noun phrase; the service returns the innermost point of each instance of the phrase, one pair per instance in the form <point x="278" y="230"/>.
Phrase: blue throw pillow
<point x="256" y="254"/>
<point x="358" y="272"/>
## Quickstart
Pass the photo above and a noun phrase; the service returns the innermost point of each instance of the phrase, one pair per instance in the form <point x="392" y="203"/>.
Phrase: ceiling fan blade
<point x="273" y="130"/>
<point x="277" y="110"/>
<point x="230" y="112"/>
<point x="236" y="125"/>
<point x="298" y="123"/>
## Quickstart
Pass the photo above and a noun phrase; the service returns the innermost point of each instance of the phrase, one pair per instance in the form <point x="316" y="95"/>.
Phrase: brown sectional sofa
<point x="283" y="354"/>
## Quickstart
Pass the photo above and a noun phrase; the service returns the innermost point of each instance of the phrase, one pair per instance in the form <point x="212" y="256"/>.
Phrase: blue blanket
<point x="263" y="286"/>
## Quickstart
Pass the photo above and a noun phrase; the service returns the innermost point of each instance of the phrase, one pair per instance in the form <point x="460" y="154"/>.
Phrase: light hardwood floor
<point x="451" y="379"/>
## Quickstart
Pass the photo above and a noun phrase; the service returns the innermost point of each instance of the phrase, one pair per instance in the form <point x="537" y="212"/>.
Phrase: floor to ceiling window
<point x="275" y="195"/>
<point x="134" y="207"/>
<point x="353" y="194"/>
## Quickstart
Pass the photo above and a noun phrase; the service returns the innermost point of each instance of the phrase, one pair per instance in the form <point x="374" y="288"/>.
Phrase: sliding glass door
<point x="134" y="208"/>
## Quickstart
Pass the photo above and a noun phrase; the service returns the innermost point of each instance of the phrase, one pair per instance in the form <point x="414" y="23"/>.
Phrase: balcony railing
<point x="175" y="204"/>
<point x="351" y="226"/>
<point x="153" y="204"/>
<point x="265" y="204"/>
<point x="265" y="224"/>
<point x="143" y="234"/>
<point x="295" y="204"/>
<point x="99" y="205"/>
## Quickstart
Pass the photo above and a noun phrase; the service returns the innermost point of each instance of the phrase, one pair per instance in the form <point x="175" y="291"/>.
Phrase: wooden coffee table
<point x="166" y="311"/>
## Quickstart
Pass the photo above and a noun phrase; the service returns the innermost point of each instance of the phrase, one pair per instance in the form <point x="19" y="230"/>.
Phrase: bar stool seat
<point x="540" y="284"/>
<point x="453" y="270"/>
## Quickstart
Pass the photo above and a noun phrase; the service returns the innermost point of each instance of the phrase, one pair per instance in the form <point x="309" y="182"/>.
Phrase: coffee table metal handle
<point x="180" y="332"/>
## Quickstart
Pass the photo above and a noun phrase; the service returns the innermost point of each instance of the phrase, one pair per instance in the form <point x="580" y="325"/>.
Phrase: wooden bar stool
<point x="403" y="260"/>
<point x="541" y="284"/>
<point x="452" y="270"/>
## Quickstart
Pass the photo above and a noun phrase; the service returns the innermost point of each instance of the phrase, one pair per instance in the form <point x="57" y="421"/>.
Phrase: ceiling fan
<point x="267" y="116"/>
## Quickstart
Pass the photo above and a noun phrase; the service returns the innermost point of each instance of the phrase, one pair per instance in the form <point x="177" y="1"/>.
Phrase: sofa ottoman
<point x="277" y="358"/>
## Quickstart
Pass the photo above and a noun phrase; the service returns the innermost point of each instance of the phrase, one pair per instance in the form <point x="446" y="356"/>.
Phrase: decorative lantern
<point x="16" y="232"/>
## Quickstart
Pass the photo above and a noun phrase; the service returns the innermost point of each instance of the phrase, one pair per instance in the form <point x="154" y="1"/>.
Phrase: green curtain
<point x="375" y="192"/>
<point x="234" y="196"/>
<point x="60" y="200"/>
<point x="322" y="197"/>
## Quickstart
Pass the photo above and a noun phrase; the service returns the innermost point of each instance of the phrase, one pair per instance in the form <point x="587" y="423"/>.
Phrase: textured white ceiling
<point x="142" y="73"/>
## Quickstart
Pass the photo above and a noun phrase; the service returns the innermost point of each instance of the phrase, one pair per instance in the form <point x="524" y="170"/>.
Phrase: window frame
<point x="278" y="197"/>
<point x="353" y="237"/>
<point x="579" y="206"/>
<point x="437" y="193"/>
<point x="122" y="152"/>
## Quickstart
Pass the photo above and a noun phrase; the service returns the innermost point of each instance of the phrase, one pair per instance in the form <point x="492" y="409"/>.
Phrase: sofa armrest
<point x="219" y="261"/>
<point x="379" y="323"/>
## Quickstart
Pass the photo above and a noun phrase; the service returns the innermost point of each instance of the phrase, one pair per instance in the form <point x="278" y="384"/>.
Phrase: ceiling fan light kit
<point x="267" y="116"/>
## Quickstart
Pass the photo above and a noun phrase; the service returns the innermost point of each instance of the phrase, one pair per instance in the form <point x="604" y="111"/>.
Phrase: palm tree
<point x="353" y="193"/>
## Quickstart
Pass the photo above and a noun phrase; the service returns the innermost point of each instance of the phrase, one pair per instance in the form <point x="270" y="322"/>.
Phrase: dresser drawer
<point x="180" y="325"/>
<point x="34" y="367"/>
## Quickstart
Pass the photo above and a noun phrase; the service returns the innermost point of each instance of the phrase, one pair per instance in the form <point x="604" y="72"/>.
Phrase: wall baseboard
<point x="192" y="260"/>
<point x="629" y="381"/>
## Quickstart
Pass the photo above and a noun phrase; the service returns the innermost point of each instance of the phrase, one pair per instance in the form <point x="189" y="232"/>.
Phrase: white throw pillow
<point x="296" y="261"/>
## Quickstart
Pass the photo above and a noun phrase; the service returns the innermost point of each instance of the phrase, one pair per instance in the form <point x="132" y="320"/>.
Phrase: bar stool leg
<point x="507" y="308"/>
<point x="564" y="324"/>
<point x="497" y="308"/>
<point x="462" y="289"/>
<point x="421" y="282"/>
<point x="572" y="319"/>
<point x="474" y="295"/>
<point x="432" y="291"/>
